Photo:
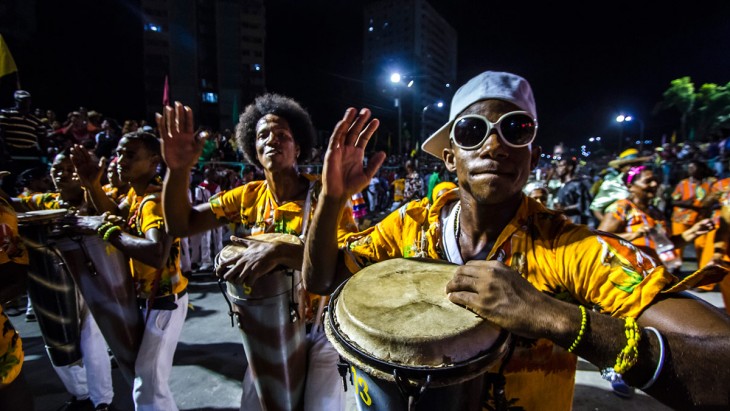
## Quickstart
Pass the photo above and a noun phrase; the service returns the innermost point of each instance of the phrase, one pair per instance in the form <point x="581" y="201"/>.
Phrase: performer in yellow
<point x="275" y="133"/>
<point x="560" y="289"/>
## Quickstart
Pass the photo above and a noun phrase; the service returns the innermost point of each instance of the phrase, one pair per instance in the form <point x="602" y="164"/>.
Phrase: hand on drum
<point x="88" y="168"/>
<point x="89" y="224"/>
<point x="498" y="294"/>
<point x="343" y="173"/>
<point x="181" y="147"/>
<point x="255" y="260"/>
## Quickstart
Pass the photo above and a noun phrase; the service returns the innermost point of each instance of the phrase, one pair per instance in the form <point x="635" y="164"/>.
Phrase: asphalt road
<point x="209" y="363"/>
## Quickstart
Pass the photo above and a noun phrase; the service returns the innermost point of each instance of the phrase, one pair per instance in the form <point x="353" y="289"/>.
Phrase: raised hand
<point x="181" y="146"/>
<point x="87" y="167"/>
<point x="343" y="174"/>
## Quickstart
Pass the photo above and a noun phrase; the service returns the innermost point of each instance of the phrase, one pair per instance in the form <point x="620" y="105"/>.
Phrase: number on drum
<point x="362" y="393"/>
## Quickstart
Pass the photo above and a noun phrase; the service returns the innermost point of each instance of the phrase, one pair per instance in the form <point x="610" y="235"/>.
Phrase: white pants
<point x="92" y="376"/>
<point x="323" y="389"/>
<point x="206" y="245"/>
<point x="154" y="360"/>
<point x="185" y="255"/>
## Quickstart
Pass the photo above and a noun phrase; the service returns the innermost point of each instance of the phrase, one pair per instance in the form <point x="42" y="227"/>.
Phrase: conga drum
<point x="102" y="274"/>
<point x="51" y="289"/>
<point x="407" y="346"/>
<point x="274" y="335"/>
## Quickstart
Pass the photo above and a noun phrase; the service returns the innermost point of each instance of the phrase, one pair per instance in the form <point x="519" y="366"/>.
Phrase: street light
<point x="621" y="119"/>
<point x="395" y="79"/>
<point x="438" y="104"/>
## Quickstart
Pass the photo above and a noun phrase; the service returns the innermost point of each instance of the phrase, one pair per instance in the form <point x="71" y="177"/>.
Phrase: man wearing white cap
<point x="561" y="290"/>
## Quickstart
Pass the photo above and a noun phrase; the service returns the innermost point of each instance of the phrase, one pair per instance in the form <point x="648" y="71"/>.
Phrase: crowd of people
<point x="569" y="261"/>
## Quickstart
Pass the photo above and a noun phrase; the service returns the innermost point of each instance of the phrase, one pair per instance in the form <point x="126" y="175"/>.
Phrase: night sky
<point x="585" y="65"/>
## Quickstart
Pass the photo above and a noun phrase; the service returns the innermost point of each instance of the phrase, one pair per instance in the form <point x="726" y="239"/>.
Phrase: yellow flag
<point x="7" y="64"/>
<point x="674" y="137"/>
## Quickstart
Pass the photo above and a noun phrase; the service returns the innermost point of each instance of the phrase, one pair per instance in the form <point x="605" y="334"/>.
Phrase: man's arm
<point x="152" y="250"/>
<point x="695" y="335"/>
<point x="342" y="176"/>
<point x="181" y="148"/>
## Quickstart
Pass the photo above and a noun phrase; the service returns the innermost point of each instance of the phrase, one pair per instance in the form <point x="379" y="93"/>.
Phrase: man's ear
<point x="449" y="160"/>
<point x="535" y="156"/>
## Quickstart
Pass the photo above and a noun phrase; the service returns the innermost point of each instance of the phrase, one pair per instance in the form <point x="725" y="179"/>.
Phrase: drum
<point x="407" y="346"/>
<point x="51" y="289"/>
<point x="274" y="336"/>
<point x="102" y="274"/>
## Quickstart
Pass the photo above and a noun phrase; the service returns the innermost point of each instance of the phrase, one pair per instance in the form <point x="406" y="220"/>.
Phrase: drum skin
<point x="407" y="345"/>
<point x="102" y="274"/>
<point x="274" y="336"/>
<point x="51" y="288"/>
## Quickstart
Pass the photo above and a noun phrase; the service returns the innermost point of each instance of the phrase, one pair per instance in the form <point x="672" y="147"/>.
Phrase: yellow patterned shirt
<point x="11" y="245"/>
<point x="566" y="261"/>
<point x="11" y="250"/>
<point x="252" y="206"/>
<point x="11" y="351"/>
<point x="145" y="213"/>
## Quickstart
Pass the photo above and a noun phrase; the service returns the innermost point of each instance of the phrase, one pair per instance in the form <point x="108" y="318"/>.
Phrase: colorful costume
<point x="566" y="261"/>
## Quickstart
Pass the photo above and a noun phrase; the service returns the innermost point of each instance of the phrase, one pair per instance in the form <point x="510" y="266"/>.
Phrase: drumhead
<point x="41" y="216"/>
<point x="397" y="312"/>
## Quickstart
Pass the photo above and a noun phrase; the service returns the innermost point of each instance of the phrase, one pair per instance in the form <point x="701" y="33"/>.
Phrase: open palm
<point x="181" y="147"/>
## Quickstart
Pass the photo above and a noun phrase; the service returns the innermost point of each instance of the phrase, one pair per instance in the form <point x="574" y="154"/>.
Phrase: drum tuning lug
<point x="293" y="315"/>
<point x="343" y="368"/>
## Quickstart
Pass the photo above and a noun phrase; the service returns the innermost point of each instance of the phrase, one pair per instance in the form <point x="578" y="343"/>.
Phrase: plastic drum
<point x="407" y="345"/>
<point x="52" y="290"/>
<point x="274" y="337"/>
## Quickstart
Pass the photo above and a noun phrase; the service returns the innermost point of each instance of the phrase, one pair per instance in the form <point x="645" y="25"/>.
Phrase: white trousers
<point x="92" y="376"/>
<point x="323" y="389"/>
<point x="204" y="246"/>
<point x="185" y="264"/>
<point x="154" y="360"/>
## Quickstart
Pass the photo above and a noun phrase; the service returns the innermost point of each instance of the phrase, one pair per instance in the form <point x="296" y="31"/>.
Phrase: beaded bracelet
<point x="583" y="323"/>
<point x="660" y="363"/>
<point x="628" y="356"/>
<point x="110" y="231"/>
<point x="102" y="228"/>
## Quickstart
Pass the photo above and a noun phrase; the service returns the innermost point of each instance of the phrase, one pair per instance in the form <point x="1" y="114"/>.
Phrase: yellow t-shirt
<point x="145" y="213"/>
<point x="399" y="185"/>
<point x="252" y="206"/>
<point x="569" y="262"/>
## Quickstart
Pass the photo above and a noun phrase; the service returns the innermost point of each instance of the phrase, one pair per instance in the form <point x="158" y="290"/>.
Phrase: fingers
<point x="188" y="113"/>
<point x="338" y="135"/>
<point x="374" y="163"/>
<point x="161" y="125"/>
<point x="365" y="135"/>
<point x="179" y="118"/>
<point x="356" y="128"/>
<point x="462" y="282"/>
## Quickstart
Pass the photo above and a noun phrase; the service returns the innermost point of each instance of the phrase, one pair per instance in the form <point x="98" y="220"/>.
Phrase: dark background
<point x="586" y="62"/>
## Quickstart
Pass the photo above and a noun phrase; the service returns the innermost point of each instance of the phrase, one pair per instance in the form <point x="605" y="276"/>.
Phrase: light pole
<point x="621" y="119"/>
<point x="395" y="79"/>
<point x="438" y="104"/>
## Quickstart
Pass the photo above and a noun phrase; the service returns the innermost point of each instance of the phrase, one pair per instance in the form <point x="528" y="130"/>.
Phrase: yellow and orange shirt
<point x="566" y="261"/>
<point x="253" y="206"/>
<point x="685" y="190"/>
<point x="145" y="213"/>
<point x="12" y="248"/>
<point x="635" y="219"/>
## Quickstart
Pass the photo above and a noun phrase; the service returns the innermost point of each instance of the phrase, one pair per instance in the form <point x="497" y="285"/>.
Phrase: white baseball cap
<point x="487" y="85"/>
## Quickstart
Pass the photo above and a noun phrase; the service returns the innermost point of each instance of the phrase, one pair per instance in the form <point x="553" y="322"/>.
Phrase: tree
<point x="703" y="114"/>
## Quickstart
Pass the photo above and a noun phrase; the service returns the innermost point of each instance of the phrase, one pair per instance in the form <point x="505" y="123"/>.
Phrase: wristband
<point x="583" y="323"/>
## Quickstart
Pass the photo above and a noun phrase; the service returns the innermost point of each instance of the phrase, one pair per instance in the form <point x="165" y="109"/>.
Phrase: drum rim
<point x="474" y="366"/>
<point x="41" y="216"/>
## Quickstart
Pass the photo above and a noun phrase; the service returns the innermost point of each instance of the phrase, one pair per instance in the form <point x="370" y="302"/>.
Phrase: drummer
<point x="89" y="381"/>
<point x="275" y="133"/>
<point x="560" y="289"/>
<point x="155" y="259"/>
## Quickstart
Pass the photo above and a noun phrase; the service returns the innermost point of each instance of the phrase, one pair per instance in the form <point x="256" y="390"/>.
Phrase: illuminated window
<point x="210" y="97"/>
<point x="153" y="27"/>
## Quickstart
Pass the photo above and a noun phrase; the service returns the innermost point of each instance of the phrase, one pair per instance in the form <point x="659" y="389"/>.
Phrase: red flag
<point x="166" y="94"/>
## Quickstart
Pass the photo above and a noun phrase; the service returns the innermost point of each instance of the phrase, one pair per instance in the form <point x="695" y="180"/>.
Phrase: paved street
<point x="209" y="363"/>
